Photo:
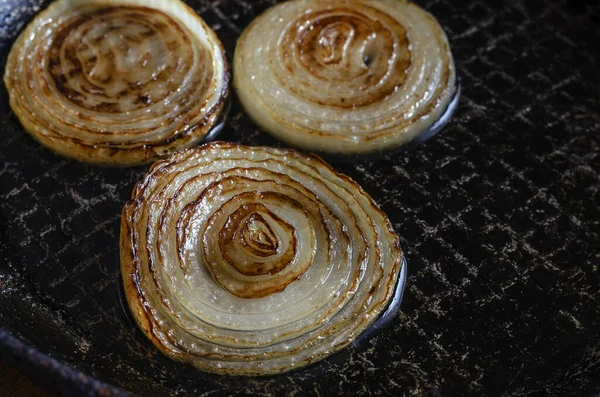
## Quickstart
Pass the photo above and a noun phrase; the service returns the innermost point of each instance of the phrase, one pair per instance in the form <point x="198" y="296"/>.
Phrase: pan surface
<point x="498" y="216"/>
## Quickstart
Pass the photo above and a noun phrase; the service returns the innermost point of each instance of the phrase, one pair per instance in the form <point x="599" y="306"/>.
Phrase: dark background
<point x="498" y="216"/>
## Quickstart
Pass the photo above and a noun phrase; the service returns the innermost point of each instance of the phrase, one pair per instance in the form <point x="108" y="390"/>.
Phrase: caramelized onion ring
<point x="119" y="81"/>
<point x="254" y="260"/>
<point x="345" y="77"/>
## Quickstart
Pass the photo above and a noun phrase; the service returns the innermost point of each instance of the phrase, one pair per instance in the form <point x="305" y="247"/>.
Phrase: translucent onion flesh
<point x="254" y="260"/>
<point x="345" y="77"/>
<point x="117" y="81"/>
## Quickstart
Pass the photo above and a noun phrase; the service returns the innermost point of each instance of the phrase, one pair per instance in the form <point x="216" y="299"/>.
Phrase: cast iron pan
<point x="498" y="215"/>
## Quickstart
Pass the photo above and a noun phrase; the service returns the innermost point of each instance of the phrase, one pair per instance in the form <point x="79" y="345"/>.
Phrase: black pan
<point x="498" y="215"/>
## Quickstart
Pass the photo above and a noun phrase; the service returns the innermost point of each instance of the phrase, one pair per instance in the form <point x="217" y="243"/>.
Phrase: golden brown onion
<point x="254" y="260"/>
<point x="118" y="81"/>
<point x="347" y="77"/>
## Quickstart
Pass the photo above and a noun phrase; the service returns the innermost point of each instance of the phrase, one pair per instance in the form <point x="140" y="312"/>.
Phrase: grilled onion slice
<point x="254" y="260"/>
<point x="345" y="77"/>
<point x="117" y="81"/>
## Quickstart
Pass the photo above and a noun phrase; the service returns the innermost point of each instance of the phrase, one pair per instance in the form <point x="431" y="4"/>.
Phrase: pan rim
<point x="58" y="376"/>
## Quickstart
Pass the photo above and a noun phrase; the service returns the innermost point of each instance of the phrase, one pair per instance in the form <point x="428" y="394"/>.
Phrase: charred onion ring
<point x="254" y="260"/>
<point x="119" y="81"/>
<point x="345" y="77"/>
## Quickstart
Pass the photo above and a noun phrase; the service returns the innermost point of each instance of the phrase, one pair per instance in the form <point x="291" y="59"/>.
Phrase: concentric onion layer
<point x="117" y="82"/>
<point x="345" y="76"/>
<point x="250" y="260"/>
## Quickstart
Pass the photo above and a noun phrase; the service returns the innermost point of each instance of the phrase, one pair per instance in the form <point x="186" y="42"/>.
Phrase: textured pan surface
<point x="497" y="214"/>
